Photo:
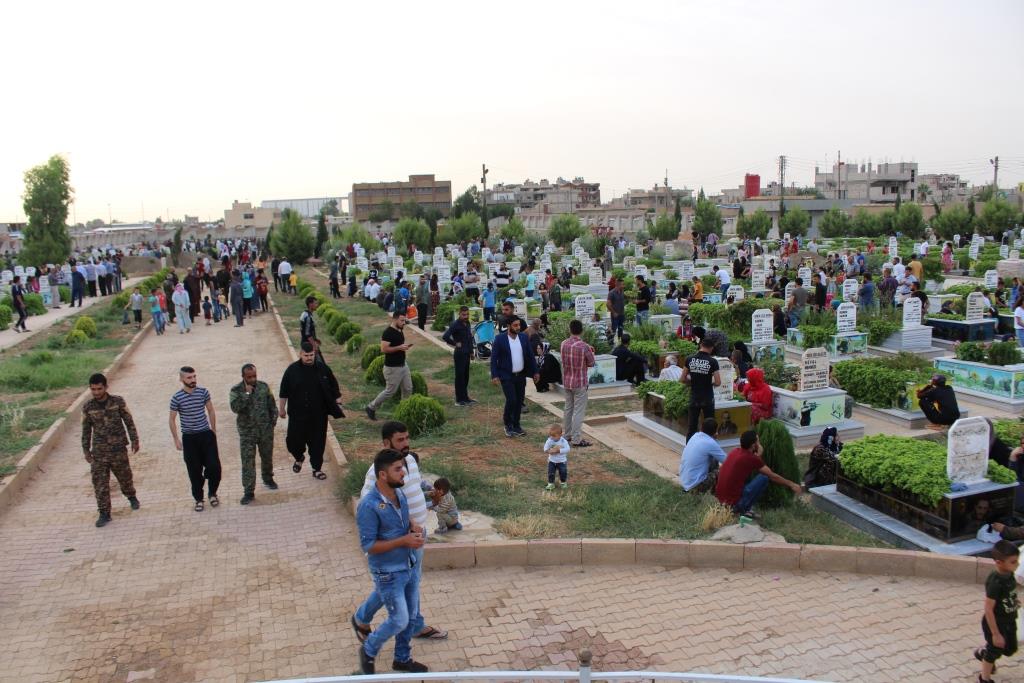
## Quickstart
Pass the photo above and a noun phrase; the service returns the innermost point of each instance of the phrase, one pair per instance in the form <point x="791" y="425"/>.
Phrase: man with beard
<point x="307" y="388"/>
<point x="198" y="440"/>
<point x="253" y="402"/>
<point x="105" y="418"/>
<point x="395" y="435"/>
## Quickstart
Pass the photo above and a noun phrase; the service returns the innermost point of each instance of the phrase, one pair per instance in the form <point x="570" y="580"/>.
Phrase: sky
<point x="168" y="109"/>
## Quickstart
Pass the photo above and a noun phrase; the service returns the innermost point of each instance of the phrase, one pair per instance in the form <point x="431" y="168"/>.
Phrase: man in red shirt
<point x="577" y="359"/>
<point x="733" y="488"/>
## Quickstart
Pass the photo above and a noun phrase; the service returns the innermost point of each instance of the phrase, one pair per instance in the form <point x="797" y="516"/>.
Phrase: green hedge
<point x="369" y="353"/>
<point x="345" y="332"/>
<point x="677" y="396"/>
<point x="375" y="371"/>
<point x="421" y="414"/>
<point x="6" y="317"/>
<point x="354" y="343"/>
<point x="878" y="381"/>
<point x="87" y="325"/>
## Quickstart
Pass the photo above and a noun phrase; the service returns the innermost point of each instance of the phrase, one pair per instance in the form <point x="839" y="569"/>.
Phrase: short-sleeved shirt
<point x="724" y="277"/>
<point x="618" y="302"/>
<point x="733" y="476"/>
<point x="702" y="367"/>
<point x="695" y="462"/>
<point x="191" y="409"/>
<point x="394" y="338"/>
<point x="643" y="298"/>
<point x="1003" y="589"/>
<point x="799" y="298"/>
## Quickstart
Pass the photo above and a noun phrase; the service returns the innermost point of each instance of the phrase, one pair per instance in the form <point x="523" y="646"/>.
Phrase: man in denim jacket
<point x="389" y="537"/>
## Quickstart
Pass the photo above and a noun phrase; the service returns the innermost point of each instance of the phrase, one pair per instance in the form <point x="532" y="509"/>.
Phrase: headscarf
<point x="742" y="348"/>
<point x="830" y="440"/>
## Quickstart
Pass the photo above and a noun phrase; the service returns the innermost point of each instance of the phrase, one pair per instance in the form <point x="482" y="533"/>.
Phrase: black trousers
<point x="935" y="415"/>
<point x="693" y="416"/>
<point x="515" y="394"/>
<point x="307" y="433"/>
<point x="277" y="282"/>
<point x="461" y="377"/>
<point x="202" y="461"/>
<point x="101" y="281"/>
<point x="421" y="314"/>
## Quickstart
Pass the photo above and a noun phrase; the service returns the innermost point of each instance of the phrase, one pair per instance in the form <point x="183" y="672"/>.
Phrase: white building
<point x="307" y="208"/>
<point x="876" y="184"/>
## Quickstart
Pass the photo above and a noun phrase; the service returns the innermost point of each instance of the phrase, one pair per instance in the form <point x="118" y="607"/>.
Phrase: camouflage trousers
<point x="249" y="442"/>
<point x="102" y="466"/>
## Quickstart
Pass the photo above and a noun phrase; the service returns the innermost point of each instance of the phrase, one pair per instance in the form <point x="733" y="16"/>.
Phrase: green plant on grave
<point x="946" y="316"/>
<point x="778" y="373"/>
<point x="880" y="329"/>
<point x="421" y="414"/>
<point x="815" y="336"/>
<point x="1009" y="431"/>
<point x="683" y="347"/>
<point x="677" y="396"/>
<point x="878" y="381"/>
<point x="781" y="458"/>
<point x="644" y="332"/>
<point x="1003" y="353"/>
<point x="973" y="352"/>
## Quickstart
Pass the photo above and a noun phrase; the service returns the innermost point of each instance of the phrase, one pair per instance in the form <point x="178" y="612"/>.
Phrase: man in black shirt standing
<point x="819" y="292"/>
<point x="700" y="371"/>
<point x="460" y="337"/>
<point x="643" y="300"/>
<point x="306" y="388"/>
<point x="396" y="372"/>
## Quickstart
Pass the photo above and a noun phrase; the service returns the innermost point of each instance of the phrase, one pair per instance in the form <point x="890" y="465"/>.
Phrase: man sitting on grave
<point x="698" y="466"/>
<point x="628" y="364"/>
<point x="671" y="372"/>
<point x="736" y="487"/>
<point x="938" y="403"/>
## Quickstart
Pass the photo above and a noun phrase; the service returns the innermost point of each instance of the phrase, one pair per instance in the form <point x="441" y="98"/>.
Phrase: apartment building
<point x="945" y="187"/>
<point x="658" y="199"/>
<point x="251" y="221"/>
<point x="561" y="196"/>
<point x="425" y="190"/>
<point x="878" y="184"/>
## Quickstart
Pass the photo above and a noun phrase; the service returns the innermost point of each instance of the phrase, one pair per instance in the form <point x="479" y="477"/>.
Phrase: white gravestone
<point x="727" y="373"/>
<point x="686" y="271"/>
<point x="596" y="275"/>
<point x="804" y="274"/>
<point x="893" y="246"/>
<point x="846" y="317"/>
<point x="520" y="308"/>
<point x="638" y="251"/>
<point x="545" y="263"/>
<point x="762" y="326"/>
<point x="7" y="275"/>
<point x="912" y="312"/>
<point x="444" y="271"/>
<point x="518" y="251"/>
<point x="790" y="286"/>
<point x="398" y="262"/>
<point x="438" y="252"/>
<point x="967" y="450"/>
<point x="736" y="292"/>
<point x="991" y="279"/>
<point x="463" y="264"/>
<point x="46" y="292"/>
<point x="814" y="369"/>
<point x="670" y="249"/>
<point x="641" y="270"/>
<point x="1004" y="250"/>
<point x="30" y="271"/>
<point x="757" y="279"/>
<point x="850" y="289"/>
<point x="976" y="305"/>
<point x="19" y="271"/>
<point x="584" y="307"/>
<point x="417" y="257"/>
<point x="956" y="240"/>
<point x="362" y="264"/>
<point x="391" y="252"/>
<point x="786" y="236"/>
<point x="973" y="251"/>
<point x="1014" y="254"/>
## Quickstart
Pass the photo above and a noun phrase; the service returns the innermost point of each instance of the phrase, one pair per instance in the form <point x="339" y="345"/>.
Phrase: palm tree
<point x="923" y="192"/>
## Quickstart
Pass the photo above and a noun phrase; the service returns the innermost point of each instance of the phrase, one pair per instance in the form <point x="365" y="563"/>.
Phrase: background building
<point x="307" y="208"/>
<point x="425" y="190"/>
<point x="878" y="184"/>
<point x="248" y="221"/>
<point x="561" y="196"/>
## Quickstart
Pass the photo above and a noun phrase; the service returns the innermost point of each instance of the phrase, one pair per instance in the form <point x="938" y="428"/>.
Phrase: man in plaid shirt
<point x="577" y="358"/>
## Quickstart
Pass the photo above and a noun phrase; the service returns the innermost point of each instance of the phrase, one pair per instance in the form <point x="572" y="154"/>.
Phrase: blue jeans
<point x="562" y="469"/>
<point x="373" y="602"/>
<point x="754" y="489"/>
<point x="725" y="292"/>
<point x="617" y="323"/>
<point x="794" y="318"/>
<point x="641" y="316"/>
<point x="400" y="594"/>
<point x="1020" y="337"/>
<point x="158" y="321"/>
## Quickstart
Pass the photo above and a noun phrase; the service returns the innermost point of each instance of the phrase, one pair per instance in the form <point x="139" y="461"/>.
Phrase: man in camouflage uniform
<point x="104" y="420"/>
<point x="254" y="404"/>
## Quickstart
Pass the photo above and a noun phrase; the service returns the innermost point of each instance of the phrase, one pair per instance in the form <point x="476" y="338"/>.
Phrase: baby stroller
<point x="483" y="337"/>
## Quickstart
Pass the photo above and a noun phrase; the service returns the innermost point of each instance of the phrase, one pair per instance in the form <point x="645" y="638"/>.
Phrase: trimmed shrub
<point x="334" y="322"/>
<point x="1003" y="353"/>
<point x="34" y="304"/>
<point x="87" y="325"/>
<point x="421" y="414"/>
<point x="971" y="351"/>
<point x="355" y="342"/>
<point x="76" y="338"/>
<point x="345" y="332"/>
<point x="324" y="310"/>
<point x="375" y="372"/>
<point x="778" y="455"/>
<point x="121" y="300"/>
<point x="6" y="317"/>
<point x="65" y="294"/>
<point x="369" y="353"/>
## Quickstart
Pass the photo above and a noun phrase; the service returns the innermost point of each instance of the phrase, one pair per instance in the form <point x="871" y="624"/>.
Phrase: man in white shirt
<point x="899" y="270"/>
<point x="371" y="290"/>
<point x="671" y="372"/>
<point x="724" y="280"/>
<point x="284" y="270"/>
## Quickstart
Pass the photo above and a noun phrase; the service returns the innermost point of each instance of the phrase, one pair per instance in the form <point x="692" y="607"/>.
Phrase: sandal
<point x="297" y="467"/>
<point x="214" y="501"/>
<point x="317" y="474"/>
<point x="432" y="634"/>
<point x="583" y="443"/>
<point x="199" y="506"/>
<point x="362" y="632"/>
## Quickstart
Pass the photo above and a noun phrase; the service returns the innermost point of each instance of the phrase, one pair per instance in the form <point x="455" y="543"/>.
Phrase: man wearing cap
<point x="938" y="403"/>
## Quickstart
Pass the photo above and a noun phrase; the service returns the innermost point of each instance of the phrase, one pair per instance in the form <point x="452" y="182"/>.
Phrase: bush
<point x="87" y="325"/>
<point x="677" y="396"/>
<point x="778" y="455"/>
<point x="880" y="329"/>
<point x="645" y="332"/>
<point x="375" y="372"/>
<point x="876" y="381"/>
<point x="121" y="300"/>
<point x="779" y="374"/>
<point x="1003" y="353"/>
<point x="334" y="322"/>
<point x="1009" y="431"/>
<point x="40" y="358"/>
<point x="971" y="351"/>
<point x="419" y="388"/>
<point x="75" y="338"/>
<point x="6" y="317"/>
<point x="421" y="414"/>
<point x="65" y="294"/>
<point x="34" y="304"/>
<point x="558" y="331"/>
<point x="345" y="332"/>
<point x="369" y="353"/>
<point x="355" y="342"/>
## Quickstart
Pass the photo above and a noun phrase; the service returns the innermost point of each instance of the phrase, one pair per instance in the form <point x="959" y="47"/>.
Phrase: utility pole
<point x="839" y="172"/>
<point x="995" y="174"/>
<point x="483" y="196"/>
<point x="782" y="187"/>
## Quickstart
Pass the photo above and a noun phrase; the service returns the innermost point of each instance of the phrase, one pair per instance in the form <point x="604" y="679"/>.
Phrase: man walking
<point x="389" y="537"/>
<point x="700" y="371"/>
<point x="422" y="302"/>
<point x="577" y="359"/>
<point x="307" y="324"/>
<point x="253" y="402"/>
<point x="306" y="388"/>
<point x="396" y="372"/>
<point x="284" y="272"/>
<point x="77" y="284"/>
<point x="459" y="336"/>
<point x="198" y="440"/>
<point x="512" y="362"/>
<point x="104" y="421"/>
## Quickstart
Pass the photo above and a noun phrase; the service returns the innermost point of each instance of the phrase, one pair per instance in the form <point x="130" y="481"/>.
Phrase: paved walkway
<point x="263" y="592"/>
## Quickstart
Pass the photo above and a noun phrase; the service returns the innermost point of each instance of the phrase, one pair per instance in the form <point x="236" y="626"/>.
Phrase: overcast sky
<point x="183" y="107"/>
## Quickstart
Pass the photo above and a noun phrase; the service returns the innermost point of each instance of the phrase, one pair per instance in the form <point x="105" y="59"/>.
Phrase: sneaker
<point x="134" y="502"/>
<point x="565" y="484"/>
<point x="270" y="484"/>
<point x="411" y="666"/>
<point x="520" y="431"/>
<point x="509" y="433"/>
<point x="457" y="526"/>
<point x="549" y="487"/>
<point x="470" y="402"/>
<point x="247" y="498"/>
<point x="462" y="404"/>
<point x="102" y="519"/>
<point x="371" y="413"/>
<point x="367" y="664"/>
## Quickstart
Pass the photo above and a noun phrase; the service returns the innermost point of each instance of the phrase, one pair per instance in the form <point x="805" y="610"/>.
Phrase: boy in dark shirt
<point x="700" y="371"/>
<point x="999" y="624"/>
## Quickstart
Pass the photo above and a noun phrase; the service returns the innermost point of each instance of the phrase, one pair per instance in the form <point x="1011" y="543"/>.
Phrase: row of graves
<point x="24" y="272"/>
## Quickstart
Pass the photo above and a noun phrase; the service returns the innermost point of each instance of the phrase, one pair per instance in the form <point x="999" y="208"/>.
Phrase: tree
<point x="270" y="236"/>
<point x="384" y="212"/>
<point x="866" y="224"/>
<point x="953" y="221"/>
<point x="923" y="191"/>
<point x="292" y="239"/>
<point x="678" y="215"/>
<point x="909" y="221"/>
<point x="887" y="222"/>
<point x="467" y="202"/>
<point x="412" y="231"/>
<point x="899" y="200"/>
<point x="432" y="216"/>
<point x="986" y="193"/>
<point x="356" y="234"/>
<point x="755" y="225"/>
<point x="46" y="198"/>
<point x="970" y="208"/>
<point x="835" y="223"/>
<point x="176" y="247"/>
<point x="410" y="209"/>
<point x="997" y="217"/>
<point x="707" y="218"/>
<point x="565" y="228"/>
<point x="503" y="210"/>
<point x="795" y="222"/>
<point x="321" y="234"/>
<point x="779" y="455"/>
<point x="514" y="230"/>
<point x="664" y="228"/>
<point x="467" y="227"/>
<point x="330" y="208"/>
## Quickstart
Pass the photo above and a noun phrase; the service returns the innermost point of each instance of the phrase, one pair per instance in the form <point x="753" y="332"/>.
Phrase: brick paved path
<point x="245" y="594"/>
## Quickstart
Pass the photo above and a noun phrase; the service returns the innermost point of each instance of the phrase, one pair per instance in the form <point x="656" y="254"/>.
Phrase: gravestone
<point x="736" y="292"/>
<point x="585" y="262"/>
<point x="549" y="247"/>
<point x="973" y="251"/>
<point x="362" y="264"/>
<point x="638" y="250"/>
<point x="1014" y="254"/>
<point x="46" y="292"/>
<point x="686" y="271"/>
<point x="912" y="312"/>
<point x="584" y="307"/>
<point x="1004" y="250"/>
<point x="762" y="326"/>
<point x="814" y="369"/>
<point x="670" y="250"/>
<point x="991" y="279"/>
<point x="976" y="304"/>
<point x="463" y="264"/>
<point x="727" y="372"/>
<point x="520" y="308"/>
<point x="789" y="290"/>
<point x="967" y="450"/>
<point x="850" y="286"/>
<point x="438" y="252"/>
<point x="19" y="271"/>
<point x="596" y="275"/>
<point x="513" y="267"/>
<point x="391" y="252"/>
<point x="545" y="263"/>
<point x="8" y="275"/>
<point x="398" y="262"/>
<point x="894" y="246"/>
<point x="640" y="270"/>
<point x="956" y="240"/>
<point x="417" y="257"/>
<point x="30" y="271"/>
<point x="757" y="279"/>
<point x="444" y="271"/>
<point x="492" y="268"/>
<point x="846" y="317"/>
<point x="786" y="236"/>
<point x="518" y="251"/>
<point x="804" y="273"/>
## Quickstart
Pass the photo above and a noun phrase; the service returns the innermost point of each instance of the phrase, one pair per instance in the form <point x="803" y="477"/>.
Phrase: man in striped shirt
<point x="395" y="435"/>
<point x="198" y="440"/>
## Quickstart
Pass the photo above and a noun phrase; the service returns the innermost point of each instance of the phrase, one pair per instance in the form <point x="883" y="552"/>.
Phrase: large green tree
<point x="467" y="227"/>
<point x="385" y="212"/>
<point x="997" y="216"/>
<point x="909" y="220"/>
<point x="467" y="202"/>
<point x="707" y="218"/>
<point x="865" y="224"/>
<point x="664" y="228"/>
<point x="321" y="234"/>
<point x="514" y="230"/>
<point x="795" y="222"/>
<point x="565" y="228"/>
<point x="835" y="223"/>
<point x="412" y="231"/>
<point x="755" y="225"/>
<point x="356" y="233"/>
<point x="953" y="221"/>
<point x="292" y="239"/>
<point x="176" y="246"/>
<point x="410" y="209"/>
<point x="46" y="199"/>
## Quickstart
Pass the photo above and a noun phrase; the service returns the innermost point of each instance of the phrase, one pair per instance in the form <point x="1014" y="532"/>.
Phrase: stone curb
<point x="33" y="459"/>
<point x="595" y="552"/>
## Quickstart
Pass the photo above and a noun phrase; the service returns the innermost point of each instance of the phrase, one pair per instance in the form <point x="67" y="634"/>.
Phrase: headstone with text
<point x="912" y="312"/>
<point x="757" y="279"/>
<point x="804" y="273"/>
<point x="790" y="286"/>
<point x="670" y="249"/>
<point x="991" y="279"/>
<point x="1004" y="250"/>
<point x="972" y="251"/>
<point x="850" y="286"/>
<point x="846" y="317"/>
<point x="584" y="307"/>
<point x="727" y="373"/>
<point x="640" y="270"/>
<point x="893" y="246"/>
<point x="596" y="275"/>
<point x="518" y="251"/>
<point x="417" y="257"/>
<point x="638" y="250"/>
<point x="463" y="264"/>
<point x="686" y="271"/>
<point x="976" y="305"/>
<point x="814" y="367"/>
<point x="762" y="326"/>
<point x="967" y="447"/>
<point x="736" y="292"/>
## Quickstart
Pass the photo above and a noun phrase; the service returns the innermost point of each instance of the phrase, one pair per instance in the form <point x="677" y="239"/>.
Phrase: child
<point x="223" y="304"/>
<point x="136" y="303"/>
<point x="444" y="506"/>
<point x="156" y="310"/>
<point x="207" y="310"/>
<point x="557" y="448"/>
<point x="293" y="282"/>
<point x="999" y="623"/>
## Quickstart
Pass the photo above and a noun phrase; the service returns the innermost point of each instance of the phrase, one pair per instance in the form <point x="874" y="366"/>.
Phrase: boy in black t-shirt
<point x="700" y="371"/>
<point x="999" y="623"/>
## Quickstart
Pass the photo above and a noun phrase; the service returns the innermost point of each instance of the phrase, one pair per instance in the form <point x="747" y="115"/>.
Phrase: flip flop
<point x="362" y="632"/>
<point x="199" y="506"/>
<point x="432" y="634"/>
<point x="319" y="475"/>
<point x="214" y="501"/>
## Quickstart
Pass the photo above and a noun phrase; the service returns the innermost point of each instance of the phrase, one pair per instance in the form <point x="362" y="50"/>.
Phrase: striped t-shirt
<point x="191" y="409"/>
